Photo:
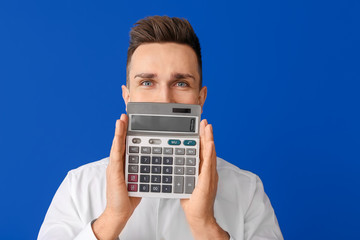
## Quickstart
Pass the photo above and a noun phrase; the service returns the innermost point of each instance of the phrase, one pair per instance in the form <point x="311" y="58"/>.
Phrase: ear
<point x="202" y="97"/>
<point x="125" y="94"/>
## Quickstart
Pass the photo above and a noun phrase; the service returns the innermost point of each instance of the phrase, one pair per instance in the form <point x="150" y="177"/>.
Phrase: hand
<point x="199" y="209"/>
<point x="119" y="206"/>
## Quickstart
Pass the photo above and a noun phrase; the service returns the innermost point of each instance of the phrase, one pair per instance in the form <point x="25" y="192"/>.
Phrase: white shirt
<point x="241" y="208"/>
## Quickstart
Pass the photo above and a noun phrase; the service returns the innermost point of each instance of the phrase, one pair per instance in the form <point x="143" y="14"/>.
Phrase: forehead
<point x="164" y="58"/>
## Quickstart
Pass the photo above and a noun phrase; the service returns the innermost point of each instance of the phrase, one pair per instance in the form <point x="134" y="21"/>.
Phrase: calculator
<point x="162" y="149"/>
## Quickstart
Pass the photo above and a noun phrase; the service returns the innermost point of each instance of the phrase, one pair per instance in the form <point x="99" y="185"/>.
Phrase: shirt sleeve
<point x="62" y="220"/>
<point x="260" y="219"/>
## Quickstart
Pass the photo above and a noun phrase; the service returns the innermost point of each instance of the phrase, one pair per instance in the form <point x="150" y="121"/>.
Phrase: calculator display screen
<point x="163" y="123"/>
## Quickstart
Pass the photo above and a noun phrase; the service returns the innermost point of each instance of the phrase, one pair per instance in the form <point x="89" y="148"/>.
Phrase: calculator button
<point x="156" y="169"/>
<point x="189" y="184"/>
<point x="190" y="151"/>
<point x="189" y="142"/>
<point x="132" y="178"/>
<point x="179" y="160"/>
<point x="190" y="161"/>
<point x="167" y="179"/>
<point x="144" y="178"/>
<point x="133" y="159"/>
<point x="133" y="149"/>
<point x="133" y="169"/>
<point x="154" y="141"/>
<point x="145" y="159"/>
<point x="174" y="142"/>
<point x="190" y="171"/>
<point x="178" y="184"/>
<point x="144" y="187"/>
<point x="179" y="170"/>
<point x="132" y="187"/>
<point x="168" y="160"/>
<point x="167" y="170"/>
<point x="136" y="140"/>
<point x="155" y="188"/>
<point x="156" y="150"/>
<point x="156" y="160"/>
<point x="168" y="151"/>
<point x="155" y="178"/>
<point x="166" y="188"/>
<point x="146" y="150"/>
<point x="179" y="151"/>
<point x="145" y="169"/>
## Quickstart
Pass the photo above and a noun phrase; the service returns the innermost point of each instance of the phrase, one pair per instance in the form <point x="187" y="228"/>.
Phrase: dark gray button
<point x="144" y="178"/>
<point x="133" y="159"/>
<point x="168" y="151"/>
<point x="155" y="178"/>
<point x="145" y="159"/>
<point x="190" y="171"/>
<point x="167" y="179"/>
<point x="156" y="160"/>
<point x="155" y="188"/>
<point x="179" y="170"/>
<point x="179" y="151"/>
<point x="167" y="170"/>
<point x="156" y="150"/>
<point x="133" y="149"/>
<point x="133" y="169"/>
<point x="189" y="184"/>
<point x="178" y="184"/>
<point x="179" y="160"/>
<point x="168" y="160"/>
<point x="191" y="151"/>
<point x="144" y="187"/>
<point x="146" y="150"/>
<point x="166" y="188"/>
<point x="156" y="169"/>
<point x="145" y="168"/>
<point x="190" y="161"/>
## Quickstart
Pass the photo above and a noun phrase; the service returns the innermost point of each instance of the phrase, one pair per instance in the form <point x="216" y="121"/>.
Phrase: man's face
<point x="164" y="72"/>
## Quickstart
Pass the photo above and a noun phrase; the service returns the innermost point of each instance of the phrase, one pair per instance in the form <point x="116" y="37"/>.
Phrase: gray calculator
<point x="162" y="149"/>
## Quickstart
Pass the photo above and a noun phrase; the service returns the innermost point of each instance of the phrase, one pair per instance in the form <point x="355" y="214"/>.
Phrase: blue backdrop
<point x="283" y="80"/>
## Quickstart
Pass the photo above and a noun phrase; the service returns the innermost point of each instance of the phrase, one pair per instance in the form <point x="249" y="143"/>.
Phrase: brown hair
<point x="157" y="29"/>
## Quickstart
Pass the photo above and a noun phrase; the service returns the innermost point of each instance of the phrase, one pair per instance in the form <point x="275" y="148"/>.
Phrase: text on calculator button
<point x="133" y="149"/>
<point x="189" y="142"/>
<point x="174" y="142"/>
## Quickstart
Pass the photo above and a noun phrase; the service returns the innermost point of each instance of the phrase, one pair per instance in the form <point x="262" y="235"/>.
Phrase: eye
<point x="146" y="83"/>
<point x="181" y="84"/>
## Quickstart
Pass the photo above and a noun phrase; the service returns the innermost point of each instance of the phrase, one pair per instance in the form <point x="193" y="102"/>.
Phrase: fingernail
<point x="122" y="117"/>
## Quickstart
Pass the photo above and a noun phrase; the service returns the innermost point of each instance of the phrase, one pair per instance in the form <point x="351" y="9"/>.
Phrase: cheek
<point x="142" y="96"/>
<point x="186" y="97"/>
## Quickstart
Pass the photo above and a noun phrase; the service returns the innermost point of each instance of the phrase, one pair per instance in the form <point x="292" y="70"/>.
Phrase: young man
<point x="164" y="65"/>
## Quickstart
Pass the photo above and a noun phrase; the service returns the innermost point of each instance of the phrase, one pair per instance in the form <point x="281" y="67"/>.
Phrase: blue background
<point x="283" y="80"/>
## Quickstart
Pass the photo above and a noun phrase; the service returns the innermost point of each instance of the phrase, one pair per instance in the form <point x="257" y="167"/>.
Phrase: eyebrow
<point x="146" y="75"/>
<point x="175" y="76"/>
<point x="182" y="76"/>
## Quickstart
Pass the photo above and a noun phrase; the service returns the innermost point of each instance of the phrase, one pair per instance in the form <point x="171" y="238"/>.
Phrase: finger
<point x="203" y="124"/>
<point x="208" y="142"/>
<point x="118" y="145"/>
<point x="209" y="166"/>
<point x="209" y="135"/>
<point x="210" y="138"/>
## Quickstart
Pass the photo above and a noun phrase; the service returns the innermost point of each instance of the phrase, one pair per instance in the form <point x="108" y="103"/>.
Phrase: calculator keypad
<point x="169" y="169"/>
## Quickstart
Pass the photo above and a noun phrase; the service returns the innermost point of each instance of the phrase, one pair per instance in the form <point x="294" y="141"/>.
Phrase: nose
<point x="165" y="95"/>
